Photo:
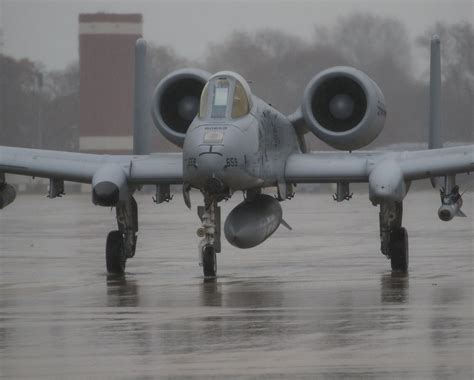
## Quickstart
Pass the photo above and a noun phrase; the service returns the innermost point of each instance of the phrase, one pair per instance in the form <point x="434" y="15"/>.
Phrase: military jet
<point x="232" y="141"/>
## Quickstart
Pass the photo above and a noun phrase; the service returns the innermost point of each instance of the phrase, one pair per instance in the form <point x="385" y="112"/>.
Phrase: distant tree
<point x="61" y="108"/>
<point x="367" y="40"/>
<point x="18" y="101"/>
<point x="33" y="100"/>
<point x="279" y="65"/>
<point x="63" y="82"/>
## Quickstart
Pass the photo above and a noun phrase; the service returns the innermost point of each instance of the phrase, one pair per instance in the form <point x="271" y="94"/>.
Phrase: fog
<point x="47" y="30"/>
<point x="277" y="59"/>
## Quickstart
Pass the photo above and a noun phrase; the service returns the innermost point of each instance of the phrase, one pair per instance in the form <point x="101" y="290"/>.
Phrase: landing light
<point x="213" y="137"/>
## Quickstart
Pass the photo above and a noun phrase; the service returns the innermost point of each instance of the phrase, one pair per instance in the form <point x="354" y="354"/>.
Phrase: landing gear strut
<point x="210" y="232"/>
<point x="393" y="237"/>
<point x="121" y="243"/>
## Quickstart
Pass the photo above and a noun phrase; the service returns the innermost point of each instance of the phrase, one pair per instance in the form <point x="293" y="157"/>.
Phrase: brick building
<point x="106" y="55"/>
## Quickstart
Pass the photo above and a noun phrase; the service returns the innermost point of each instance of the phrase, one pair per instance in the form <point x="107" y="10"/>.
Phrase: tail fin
<point x="435" y="133"/>
<point x="435" y="139"/>
<point x="140" y="131"/>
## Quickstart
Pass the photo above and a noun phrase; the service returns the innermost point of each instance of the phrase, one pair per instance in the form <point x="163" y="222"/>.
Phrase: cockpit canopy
<point x="226" y="95"/>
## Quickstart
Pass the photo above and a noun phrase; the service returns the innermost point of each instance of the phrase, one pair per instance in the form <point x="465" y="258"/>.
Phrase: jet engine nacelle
<point x="7" y="195"/>
<point x="252" y="222"/>
<point x="344" y="108"/>
<point x="109" y="185"/>
<point x="175" y="102"/>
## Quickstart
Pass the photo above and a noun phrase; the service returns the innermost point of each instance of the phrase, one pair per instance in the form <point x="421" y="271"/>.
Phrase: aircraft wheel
<point x="209" y="262"/>
<point x="115" y="253"/>
<point x="399" y="250"/>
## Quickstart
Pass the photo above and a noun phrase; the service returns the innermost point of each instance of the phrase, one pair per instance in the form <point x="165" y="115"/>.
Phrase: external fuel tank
<point x="253" y="221"/>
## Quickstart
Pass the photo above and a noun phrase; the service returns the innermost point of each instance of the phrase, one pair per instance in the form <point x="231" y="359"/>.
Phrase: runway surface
<point x="316" y="302"/>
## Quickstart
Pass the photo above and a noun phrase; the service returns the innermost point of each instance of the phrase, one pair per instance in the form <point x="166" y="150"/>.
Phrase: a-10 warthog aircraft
<point x="232" y="141"/>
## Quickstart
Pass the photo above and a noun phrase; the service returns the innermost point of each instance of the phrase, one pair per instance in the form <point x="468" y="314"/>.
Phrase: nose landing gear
<point x="209" y="262"/>
<point x="210" y="232"/>
<point x="393" y="237"/>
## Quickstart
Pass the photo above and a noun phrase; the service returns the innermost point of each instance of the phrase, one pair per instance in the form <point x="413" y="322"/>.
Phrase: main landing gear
<point x="210" y="232"/>
<point x="121" y="243"/>
<point x="393" y="237"/>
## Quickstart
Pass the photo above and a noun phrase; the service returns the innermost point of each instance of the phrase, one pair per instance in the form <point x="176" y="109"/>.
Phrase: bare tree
<point x="18" y="101"/>
<point x="279" y="65"/>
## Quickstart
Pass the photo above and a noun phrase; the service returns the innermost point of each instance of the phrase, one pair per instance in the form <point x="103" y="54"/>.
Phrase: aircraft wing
<point x="160" y="168"/>
<point x="328" y="167"/>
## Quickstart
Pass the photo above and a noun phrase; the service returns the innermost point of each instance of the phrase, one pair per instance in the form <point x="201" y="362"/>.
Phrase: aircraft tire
<point x="399" y="250"/>
<point x="209" y="261"/>
<point x="114" y="253"/>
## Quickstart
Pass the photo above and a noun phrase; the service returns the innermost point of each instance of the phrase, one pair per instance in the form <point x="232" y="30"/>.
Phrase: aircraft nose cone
<point x="210" y="163"/>
<point x="341" y="106"/>
<point x="207" y="172"/>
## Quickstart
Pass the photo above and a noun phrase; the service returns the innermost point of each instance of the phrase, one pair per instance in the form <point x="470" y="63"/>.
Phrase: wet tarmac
<point x="315" y="302"/>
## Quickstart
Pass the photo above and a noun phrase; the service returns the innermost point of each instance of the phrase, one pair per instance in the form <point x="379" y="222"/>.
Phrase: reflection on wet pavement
<point x="313" y="303"/>
<point x="394" y="287"/>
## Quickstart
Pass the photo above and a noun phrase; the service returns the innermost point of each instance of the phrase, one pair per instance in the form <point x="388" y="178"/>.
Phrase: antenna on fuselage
<point x="141" y="135"/>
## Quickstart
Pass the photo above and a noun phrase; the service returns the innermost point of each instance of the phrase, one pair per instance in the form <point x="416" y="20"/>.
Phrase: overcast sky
<point x="47" y="31"/>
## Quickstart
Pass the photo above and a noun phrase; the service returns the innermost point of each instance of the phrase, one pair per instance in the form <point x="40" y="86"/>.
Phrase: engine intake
<point x="175" y="102"/>
<point x="344" y="108"/>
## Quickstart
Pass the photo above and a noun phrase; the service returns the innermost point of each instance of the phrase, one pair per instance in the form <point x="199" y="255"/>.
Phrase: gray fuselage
<point x="238" y="153"/>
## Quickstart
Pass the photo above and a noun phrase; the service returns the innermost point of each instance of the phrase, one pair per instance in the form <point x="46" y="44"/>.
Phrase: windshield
<point x="221" y="95"/>
<point x="224" y="97"/>
<point x="203" y="104"/>
<point x="240" y="105"/>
